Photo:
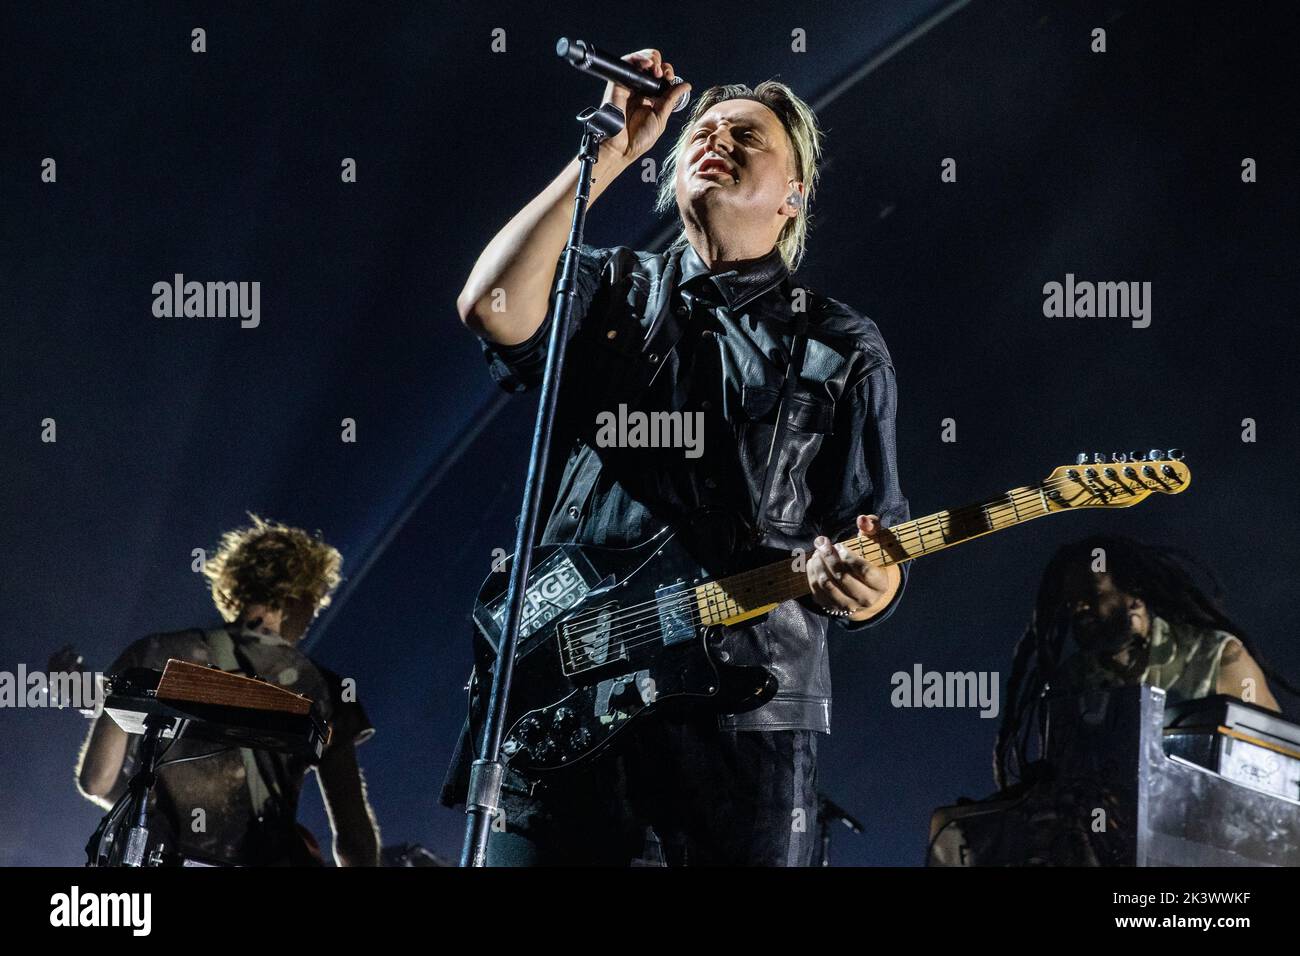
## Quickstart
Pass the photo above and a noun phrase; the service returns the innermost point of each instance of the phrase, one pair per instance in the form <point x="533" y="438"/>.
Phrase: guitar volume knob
<point x="530" y="730"/>
<point x="543" y="748"/>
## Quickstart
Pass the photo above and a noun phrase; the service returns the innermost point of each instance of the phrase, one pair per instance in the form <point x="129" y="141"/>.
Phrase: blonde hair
<point x="270" y="563"/>
<point x="800" y="124"/>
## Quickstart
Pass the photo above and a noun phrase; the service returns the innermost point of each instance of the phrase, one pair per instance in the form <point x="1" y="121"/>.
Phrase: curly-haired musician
<point x="235" y="805"/>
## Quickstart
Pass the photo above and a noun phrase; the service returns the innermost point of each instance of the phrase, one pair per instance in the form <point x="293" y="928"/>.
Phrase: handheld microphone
<point x="583" y="56"/>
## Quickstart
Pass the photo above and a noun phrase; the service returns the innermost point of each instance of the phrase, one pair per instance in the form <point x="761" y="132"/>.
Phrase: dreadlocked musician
<point x="235" y="805"/>
<point x="1141" y="620"/>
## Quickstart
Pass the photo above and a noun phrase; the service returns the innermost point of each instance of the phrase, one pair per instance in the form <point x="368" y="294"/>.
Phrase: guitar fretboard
<point x="751" y="593"/>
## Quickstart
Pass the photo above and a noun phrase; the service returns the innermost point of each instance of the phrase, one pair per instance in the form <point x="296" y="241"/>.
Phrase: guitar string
<point x="581" y="653"/>
<point x="917" y="529"/>
<point x="1008" y="503"/>
<point x="630" y="621"/>
<point x="738" y="580"/>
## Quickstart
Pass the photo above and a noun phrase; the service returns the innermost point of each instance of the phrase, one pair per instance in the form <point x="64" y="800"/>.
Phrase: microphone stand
<point x="829" y="812"/>
<point x="133" y="823"/>
<point x="481" y="803"/>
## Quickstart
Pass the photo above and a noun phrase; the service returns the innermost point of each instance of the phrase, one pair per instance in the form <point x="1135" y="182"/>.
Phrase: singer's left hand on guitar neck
<point x="848" y="585"/>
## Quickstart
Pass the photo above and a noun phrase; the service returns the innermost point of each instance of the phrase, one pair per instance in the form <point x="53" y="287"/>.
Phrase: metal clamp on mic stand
<point x="137" y="837"/>
<point x="108" y="847"/>
<point x="481" y="803"/>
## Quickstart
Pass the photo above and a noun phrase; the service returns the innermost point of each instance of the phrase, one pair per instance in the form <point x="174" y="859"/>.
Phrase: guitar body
<point x="607" y="636"/>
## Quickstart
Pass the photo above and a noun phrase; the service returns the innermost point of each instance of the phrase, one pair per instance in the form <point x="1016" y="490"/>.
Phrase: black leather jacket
<point x="659" y="332"/>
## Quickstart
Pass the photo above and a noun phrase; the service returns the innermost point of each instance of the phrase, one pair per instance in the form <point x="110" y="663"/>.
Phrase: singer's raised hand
<point x="512" y="287"/>
<point x="647" y="116"/>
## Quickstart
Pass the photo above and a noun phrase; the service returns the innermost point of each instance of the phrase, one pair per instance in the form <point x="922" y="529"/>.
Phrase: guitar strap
<point x="798" y="348"/>
<point x="259" y="770"/>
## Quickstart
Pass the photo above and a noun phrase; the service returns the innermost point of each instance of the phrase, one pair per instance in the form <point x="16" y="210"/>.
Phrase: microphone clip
<point x="603" y="122"/>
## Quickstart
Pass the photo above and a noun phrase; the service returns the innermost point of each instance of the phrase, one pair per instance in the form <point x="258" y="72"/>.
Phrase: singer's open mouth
<point x="715" y="164"/>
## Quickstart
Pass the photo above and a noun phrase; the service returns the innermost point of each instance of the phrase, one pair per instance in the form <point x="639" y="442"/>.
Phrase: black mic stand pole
<point x="829" y="812"/>
<point x="487" y="771"/>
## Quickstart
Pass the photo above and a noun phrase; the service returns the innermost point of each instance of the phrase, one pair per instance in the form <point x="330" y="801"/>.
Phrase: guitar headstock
<point x="1094" y="481"/>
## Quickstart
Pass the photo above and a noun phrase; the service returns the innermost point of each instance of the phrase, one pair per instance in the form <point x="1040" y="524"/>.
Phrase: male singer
<point x="708" y="328"/>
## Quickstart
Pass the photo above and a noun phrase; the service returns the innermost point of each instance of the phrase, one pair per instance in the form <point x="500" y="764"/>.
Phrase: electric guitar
<point x="608" y="635"/>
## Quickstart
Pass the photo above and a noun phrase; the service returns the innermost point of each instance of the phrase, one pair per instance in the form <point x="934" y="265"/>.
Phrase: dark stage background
<point x="225" y="165"/>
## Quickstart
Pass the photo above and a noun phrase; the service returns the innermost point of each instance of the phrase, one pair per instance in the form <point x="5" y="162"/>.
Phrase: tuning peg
<point x="1136" y="456"/>
<point x="1098" y="458"/>
<point x="1118" y="456"/>
<point x="1081" y="458"/>
<point x="1155" y="454"/>
<point x="1176" y="454"/>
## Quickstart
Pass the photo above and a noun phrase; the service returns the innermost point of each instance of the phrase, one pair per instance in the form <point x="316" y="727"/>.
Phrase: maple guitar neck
<point x="752" y="593"/>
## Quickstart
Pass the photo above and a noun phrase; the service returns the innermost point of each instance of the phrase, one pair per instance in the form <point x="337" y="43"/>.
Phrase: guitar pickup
<point x="676" y="608"/>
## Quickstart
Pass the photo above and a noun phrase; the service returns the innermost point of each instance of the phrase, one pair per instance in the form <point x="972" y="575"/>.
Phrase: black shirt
<point x="203" y="805"/>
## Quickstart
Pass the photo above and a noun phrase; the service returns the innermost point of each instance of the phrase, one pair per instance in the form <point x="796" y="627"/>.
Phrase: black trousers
<point x="713" y="798"/>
